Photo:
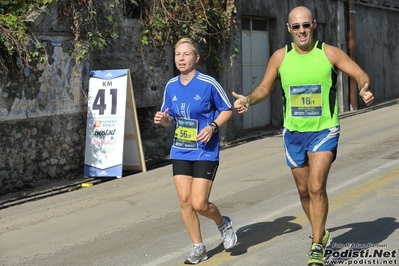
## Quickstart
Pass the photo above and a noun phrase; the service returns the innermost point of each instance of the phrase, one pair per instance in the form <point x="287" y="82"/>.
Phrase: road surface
<point x="135" y="220"/>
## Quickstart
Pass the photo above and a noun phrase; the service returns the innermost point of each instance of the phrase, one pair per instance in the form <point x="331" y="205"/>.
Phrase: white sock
<point x="223" y="225"/>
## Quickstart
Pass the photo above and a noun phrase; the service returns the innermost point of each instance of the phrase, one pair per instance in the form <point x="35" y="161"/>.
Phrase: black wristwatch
<point x="214" y="127"/>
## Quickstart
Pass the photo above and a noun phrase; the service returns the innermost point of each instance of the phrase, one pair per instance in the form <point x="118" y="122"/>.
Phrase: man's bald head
<point x="300" y="11"/>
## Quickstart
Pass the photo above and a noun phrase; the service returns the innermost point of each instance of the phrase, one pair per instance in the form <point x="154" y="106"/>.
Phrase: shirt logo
<point x="174" y="98"/>
<point x="197" y="97"/>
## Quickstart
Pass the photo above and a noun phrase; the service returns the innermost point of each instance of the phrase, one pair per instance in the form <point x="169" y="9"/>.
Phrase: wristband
<point x="214" y="126"/>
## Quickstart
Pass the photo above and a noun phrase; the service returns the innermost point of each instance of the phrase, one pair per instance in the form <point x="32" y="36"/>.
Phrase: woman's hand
<point x="205" y="135"/>
<point x="162" y="118"/>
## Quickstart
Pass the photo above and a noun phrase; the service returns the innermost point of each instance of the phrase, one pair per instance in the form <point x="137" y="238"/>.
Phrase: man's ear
<point x="288" y="28"/>
<point x="314" y="24"/>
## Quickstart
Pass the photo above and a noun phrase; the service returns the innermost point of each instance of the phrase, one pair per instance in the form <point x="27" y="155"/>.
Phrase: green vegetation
<point x="16" y="42"/>
<point x="19" y="46"/>
<point x="208" y="22"/>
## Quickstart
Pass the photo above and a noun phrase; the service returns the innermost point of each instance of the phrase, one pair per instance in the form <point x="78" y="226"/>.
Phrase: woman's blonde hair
<point x="189" y="41"/>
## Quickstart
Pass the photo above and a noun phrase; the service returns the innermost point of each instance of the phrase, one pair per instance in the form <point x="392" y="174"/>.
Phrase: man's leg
<point x="301" y="175"/>
<point x="319" y="166"/>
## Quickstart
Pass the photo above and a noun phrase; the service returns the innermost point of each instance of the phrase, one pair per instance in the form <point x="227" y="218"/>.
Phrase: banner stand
<point x="132" y="134"/>
<point x="113" y="141"/>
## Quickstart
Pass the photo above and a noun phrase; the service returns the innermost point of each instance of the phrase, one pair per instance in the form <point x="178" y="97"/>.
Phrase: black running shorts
<point x="196" y="169"/>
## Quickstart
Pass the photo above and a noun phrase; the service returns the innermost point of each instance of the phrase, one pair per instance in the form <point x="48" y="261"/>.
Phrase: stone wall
<point x="43" y="121"/>
<point x="150" y="70"/>
<point x="38" y="151"/>
<point x="43" y="113"/>
<point x="43" y="110"/>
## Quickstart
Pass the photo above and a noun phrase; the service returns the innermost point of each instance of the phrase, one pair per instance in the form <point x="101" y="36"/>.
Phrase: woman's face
<point x="185" y="58"/>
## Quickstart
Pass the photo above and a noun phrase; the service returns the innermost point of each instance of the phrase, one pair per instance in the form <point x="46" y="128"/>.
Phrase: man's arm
<point x="343" y="62"/>
<point x="263" y="90"/>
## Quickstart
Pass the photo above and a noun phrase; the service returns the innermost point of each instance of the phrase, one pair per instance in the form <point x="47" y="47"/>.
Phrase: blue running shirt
<point x="193" y="107"/>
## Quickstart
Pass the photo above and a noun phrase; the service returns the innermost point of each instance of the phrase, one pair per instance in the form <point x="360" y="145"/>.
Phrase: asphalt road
<point x="135" y="220"/>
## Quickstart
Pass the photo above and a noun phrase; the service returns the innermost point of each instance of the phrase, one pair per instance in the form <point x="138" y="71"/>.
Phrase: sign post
<point x="113" y="141"/>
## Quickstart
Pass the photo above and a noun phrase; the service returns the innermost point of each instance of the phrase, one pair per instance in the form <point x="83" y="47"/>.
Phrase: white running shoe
<point x="197" y="254"/>
<point x="228" y="234"/>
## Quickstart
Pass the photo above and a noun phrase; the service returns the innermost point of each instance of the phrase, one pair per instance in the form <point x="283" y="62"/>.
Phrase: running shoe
<point x="316" y="255"/>
<point x="197" y="254"/>
<point x="228" y="234"/>
<point x="326" y="241"/>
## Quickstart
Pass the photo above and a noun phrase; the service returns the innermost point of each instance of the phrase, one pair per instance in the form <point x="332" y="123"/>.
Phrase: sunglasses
<point x="297" y="26"/>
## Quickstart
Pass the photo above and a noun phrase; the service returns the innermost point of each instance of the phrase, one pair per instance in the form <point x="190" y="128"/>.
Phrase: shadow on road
<point x="254" y="234"/>
<point x="373" y="232"/>
<point x="362" y="237"/>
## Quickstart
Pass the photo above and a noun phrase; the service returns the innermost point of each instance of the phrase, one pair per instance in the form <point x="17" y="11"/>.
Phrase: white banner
<point x="105" y="123"/>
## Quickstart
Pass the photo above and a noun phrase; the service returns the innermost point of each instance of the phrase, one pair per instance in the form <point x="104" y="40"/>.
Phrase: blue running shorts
<point x="297" y="144"/>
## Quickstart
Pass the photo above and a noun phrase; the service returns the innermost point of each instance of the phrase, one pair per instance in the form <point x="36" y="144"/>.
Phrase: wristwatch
<point x="214" y="127"/>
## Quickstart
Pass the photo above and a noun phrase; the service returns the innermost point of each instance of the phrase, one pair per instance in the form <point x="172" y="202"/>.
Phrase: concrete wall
<point x="43" y="112"/>
<point x="377" y="48"/>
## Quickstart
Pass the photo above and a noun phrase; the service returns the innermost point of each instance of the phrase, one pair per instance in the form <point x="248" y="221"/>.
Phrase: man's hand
<point x="366" y="95"/>
<point x="241" y="103"/>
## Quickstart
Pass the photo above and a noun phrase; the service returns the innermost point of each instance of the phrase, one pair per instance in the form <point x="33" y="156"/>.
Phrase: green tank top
<point x="309" y="93"/>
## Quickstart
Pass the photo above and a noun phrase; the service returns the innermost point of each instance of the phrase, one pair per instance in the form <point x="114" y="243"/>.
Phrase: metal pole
<point x="353" y="90"/>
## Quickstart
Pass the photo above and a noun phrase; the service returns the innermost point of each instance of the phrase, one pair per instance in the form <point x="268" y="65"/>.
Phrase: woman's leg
<point x="200" y="192"/>
<point x="183" y="185"/>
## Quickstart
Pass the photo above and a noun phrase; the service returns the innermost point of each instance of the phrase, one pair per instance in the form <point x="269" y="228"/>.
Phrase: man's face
<point x="301" y="26"/>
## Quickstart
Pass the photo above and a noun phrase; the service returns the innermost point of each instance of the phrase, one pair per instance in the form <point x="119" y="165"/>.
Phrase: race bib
<point x="186" y="134"/>
<point x="306" y="101"/>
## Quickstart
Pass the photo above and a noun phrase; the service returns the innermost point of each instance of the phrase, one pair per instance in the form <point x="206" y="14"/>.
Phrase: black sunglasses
<point x="297" y="26"/>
